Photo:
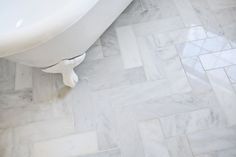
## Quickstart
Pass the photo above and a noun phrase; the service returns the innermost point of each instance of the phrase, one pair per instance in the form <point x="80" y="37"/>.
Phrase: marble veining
<point x="161" y="81"/>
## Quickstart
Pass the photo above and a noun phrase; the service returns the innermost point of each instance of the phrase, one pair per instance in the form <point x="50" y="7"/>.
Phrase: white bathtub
<point x="52" y="33"/>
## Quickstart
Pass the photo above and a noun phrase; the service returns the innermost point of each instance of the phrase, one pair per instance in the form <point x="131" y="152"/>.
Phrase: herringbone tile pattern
<point x="160" y="82"/>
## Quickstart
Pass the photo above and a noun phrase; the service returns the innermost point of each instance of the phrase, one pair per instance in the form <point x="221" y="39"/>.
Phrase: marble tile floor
<point x="160" y="82"/>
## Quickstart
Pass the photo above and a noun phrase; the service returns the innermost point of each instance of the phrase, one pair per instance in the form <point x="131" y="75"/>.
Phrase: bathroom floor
<point x="160" y="82"/>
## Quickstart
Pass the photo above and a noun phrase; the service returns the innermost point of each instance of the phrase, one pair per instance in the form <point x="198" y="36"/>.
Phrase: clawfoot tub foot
<point x="66" y="68"/>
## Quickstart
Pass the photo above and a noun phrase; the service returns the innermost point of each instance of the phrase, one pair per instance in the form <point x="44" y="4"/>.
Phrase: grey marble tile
<point x="7" y="77"/>
<point x="129" y="140"/>
<point x="122" y="105"/>
<point x="158" y="26"/>
<point x="188" y="122"/>
<point x="207" y="18"/>
<point x="180" y="36"/>
<point x="196" y="74"/>
<point x="218" y="4"/>
<point x="108" y="153"/>
<point x="226" y="153"/>
<point x="153" y="139"/>
<point x="31" y="113"/>
<point x="23" y="77"/>
<point x="223" y="153"/>
<point x="225" y="16"/>
<point x="218" y="60"/>
<point x="105" y="122"/>
<point x="8" y="100"/>
<point x="187" y="13"/>
<point x="212" y="140"/>
<point x="179" y="147"/>
<point x="211" y="154"/>
<point x="149" y="59"/>
<point x="133" y="94"/>
<point x="230" y="33"/>
<point x="231" y="72"/>
<point x="46" y="87"/>
<point x="135" y="75"/>
<point x="173" y="104"/>
<point x="43" y="130"/>
<point x="233" y="43"/>
<point x="6" y="142"/>
<point x="83" y="108"/>
<point x="234" y="86"/>
<point x="224" y="92"/>
<point x="72" y="145"/>
<point x="21" y="150"/>
<point x="128" y="47"/>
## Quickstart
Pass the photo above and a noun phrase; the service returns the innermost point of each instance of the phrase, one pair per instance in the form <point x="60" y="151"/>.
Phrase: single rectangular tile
<point x="231" y="72"/>
<point x="72" y="145"/>
<point x="108" y="153"/>
<point x="224" y="92"/>
<point x="150" y="64"/>
<point x="21" y="115"/>
<point x="187" y="13"/>
<point x="128" y="137"/>
<point x="158" y="26"/>
<point x="218" y="60"/>
<point x="212" y="140"/>
<point x="189" y="122"/>
<point x="180" y="35"/>
<point x="153" y="138"/>
<point x="105" y="122"/>
<point x="23" y="76"/>
<point x="128" y="47"/>
<point x="43" y="130"/>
